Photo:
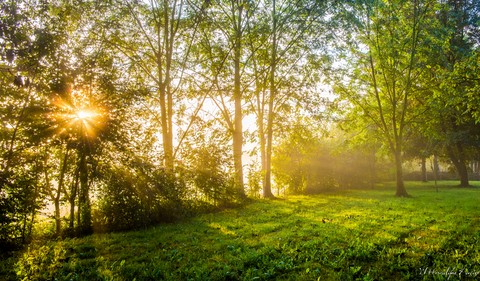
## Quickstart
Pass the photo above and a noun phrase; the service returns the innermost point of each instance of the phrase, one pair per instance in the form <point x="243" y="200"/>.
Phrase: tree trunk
<point x="85" y="211"/>
<point x="33" y="212"/>
<point x="372" y="169"/>
<point x="58" y="220"/>
<point x="238" y="146"/>
<point x="167" y="137"/>
<point x="267" y="188"/>
<point x="435" y="170"/>
<point x="164" y="64"/>
<point x="424" y="169"/>
<point x="401" y="191"/>
<point x="458" y="159"/>
<point x="237" y="96"/>
<point x="462" y="173"/>
<point x="263" y="155"/>
<point x="462" y="167"/>
<point x="72" y="198"/>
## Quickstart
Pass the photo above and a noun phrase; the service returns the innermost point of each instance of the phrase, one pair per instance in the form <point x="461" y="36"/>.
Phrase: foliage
<point x="131" y="199"/>
<point x="350" y="235"/>
<point x="293" y="157"/>
<point x="23" y="45"/>
<point x="450" y="123"/>
<point x="470" y="68"/>
<point x="121" y="113"/>
<point x="310" y="163"/>
<point x="388" y="58"/>
<point x="209" y="176"/>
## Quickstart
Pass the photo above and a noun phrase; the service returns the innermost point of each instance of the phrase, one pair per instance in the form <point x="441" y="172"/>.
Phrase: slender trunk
<point x="78" y="201"/>
<point x="401" y="191"/>
<point x="462" y="167"/>
<point x="168" y="150"/>
<point x="166" y="129"/>
<point x="32" y="217"/>
<point x="24" y="228"/>
<point x="54" y="197"/>
<point x="27" y="235"/>
<point x="237" y="95"/>
<point x="424" y="169"/>
<point x="58" y="220"/>
<point x="169" y="39"/>
<point x="435" y="170"/>
<point x="260" y="108"/>
<point x="267" y="188"/>
<point x="372" y="169"/>
<point x="238" y="147"/>
<point x="85" y="211"/>
<point x="72" y="199"/>
<point x="164" y="56"/>
<point x="263" y="156"/>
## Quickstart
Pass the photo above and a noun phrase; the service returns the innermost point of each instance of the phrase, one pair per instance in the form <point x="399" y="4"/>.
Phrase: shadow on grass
<point x="339" y="236"/>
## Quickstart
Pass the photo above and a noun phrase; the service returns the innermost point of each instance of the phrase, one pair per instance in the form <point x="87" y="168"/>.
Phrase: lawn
<point x="347" y="235"/>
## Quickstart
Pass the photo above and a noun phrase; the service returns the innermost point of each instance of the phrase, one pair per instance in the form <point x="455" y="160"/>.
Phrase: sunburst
<point x="78" y="117"/>
<point x="86" y="114"/>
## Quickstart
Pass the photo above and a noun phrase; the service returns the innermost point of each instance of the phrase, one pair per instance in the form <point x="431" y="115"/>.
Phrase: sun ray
<point x="78" y="116"/>
<point x="85" y="114"/>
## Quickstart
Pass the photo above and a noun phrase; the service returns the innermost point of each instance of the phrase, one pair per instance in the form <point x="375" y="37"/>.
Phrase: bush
<point x="137" y="199"/>
<point x="19" y="201"/>
<point x="208" y="175"/>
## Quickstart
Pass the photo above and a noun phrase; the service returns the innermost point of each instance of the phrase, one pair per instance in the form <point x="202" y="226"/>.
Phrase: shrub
<point x="131" y="199"/>
<point x="208" y="174"/>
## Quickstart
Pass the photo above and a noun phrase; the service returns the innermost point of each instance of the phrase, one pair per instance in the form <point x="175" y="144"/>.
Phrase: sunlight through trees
<point x="118" y="115"/>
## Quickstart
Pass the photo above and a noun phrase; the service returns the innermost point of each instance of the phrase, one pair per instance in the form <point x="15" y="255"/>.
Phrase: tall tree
<point x="388" y="66"/>
<point x="154" y="37"/>
<point x="224" y="48"/>
<point x="24" y="46"/>
<point x="239" y="16"/>
<point x="282" y="50"/>
<point x="453" y="78"/>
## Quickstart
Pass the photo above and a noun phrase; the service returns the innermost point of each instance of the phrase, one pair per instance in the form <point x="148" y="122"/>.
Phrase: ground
<point x="344" y="235"/>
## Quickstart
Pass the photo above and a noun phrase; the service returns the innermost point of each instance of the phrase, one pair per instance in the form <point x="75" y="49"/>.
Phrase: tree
<point x="55" y="193"/>
<point x="155" y="39"/>
<point x="223" y="44"/>
<point x="24" y="45"/>
<point x="453" y="77"/>
<point x="392" y="40"/>
<point x="284" y="65"/>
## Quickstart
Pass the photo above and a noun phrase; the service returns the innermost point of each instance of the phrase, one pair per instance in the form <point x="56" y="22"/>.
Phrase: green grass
<point x="348" y="235"/>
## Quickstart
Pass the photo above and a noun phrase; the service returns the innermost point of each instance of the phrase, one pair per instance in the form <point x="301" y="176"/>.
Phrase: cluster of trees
<point x="407" y="77"/>
<point x="414" y="79"/>
<point x="120" y="114"/>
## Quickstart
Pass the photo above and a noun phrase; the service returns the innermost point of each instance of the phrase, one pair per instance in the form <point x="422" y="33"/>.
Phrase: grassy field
<point x="348" y="235"/>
